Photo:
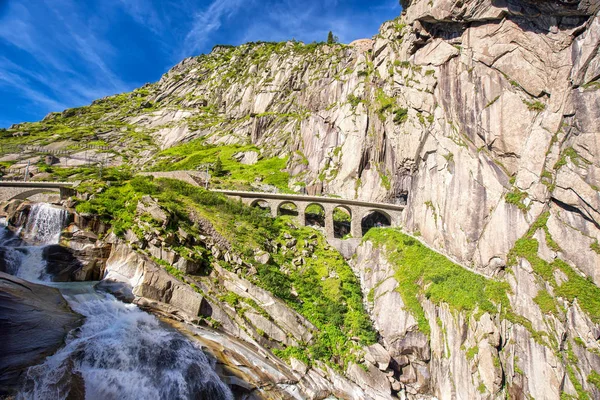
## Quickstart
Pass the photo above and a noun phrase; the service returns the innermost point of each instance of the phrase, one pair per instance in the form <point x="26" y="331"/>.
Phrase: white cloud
<point x="208" y="21"/>
<point x="60" y="64"/>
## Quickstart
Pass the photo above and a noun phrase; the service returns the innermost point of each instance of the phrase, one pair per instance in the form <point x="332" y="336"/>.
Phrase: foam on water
<point x="124" y="353"/>
<point x="120" y="352"/>
<point x="45" y="223"/>
<point x="43" y="227"/>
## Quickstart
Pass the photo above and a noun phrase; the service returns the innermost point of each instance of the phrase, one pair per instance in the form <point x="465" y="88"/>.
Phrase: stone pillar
<point x="301" y="207"/>
<point x="274" y="208"/>
<point x="355" y="224"/>
<point x="329" y="231"/>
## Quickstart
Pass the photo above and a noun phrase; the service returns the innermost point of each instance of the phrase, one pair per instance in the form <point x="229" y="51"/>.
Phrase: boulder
<point x="377" y="355"/>
<point x="35" y="320"/>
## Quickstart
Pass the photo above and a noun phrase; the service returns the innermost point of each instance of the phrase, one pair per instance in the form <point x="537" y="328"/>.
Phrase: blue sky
<point x="56" y="54"/>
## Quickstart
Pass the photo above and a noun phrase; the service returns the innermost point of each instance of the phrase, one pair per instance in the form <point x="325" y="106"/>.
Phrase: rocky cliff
<point x="481" y="115"/>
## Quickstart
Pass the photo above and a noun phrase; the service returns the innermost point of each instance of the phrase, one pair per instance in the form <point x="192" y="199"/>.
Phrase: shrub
<point x="400" y="115"/>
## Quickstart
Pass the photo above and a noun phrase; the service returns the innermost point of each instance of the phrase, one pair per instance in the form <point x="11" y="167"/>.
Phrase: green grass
<point x="324" y="290"/>
<point x="400" y="115"/>
<point x="329" y="293"/>
<point x="194" y="155"/>
<point x="537" y="106"/>
<point x="516" y="197"/>
<point x="384" y="103"/>
<point x="472" y="352"/>
<point x="546" y="302"/>
<point x="341" y="216"/>
<point x="594" y="379"/>
<point x="575" y="158"/>
<point x="423" y="272"/>
<point x="595" y="247"/>
<point x="575" y="287"/>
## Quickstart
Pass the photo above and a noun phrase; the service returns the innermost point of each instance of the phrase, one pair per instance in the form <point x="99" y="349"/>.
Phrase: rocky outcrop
<point x="477" y="114"/>
<point x="531" y="351"/>
<point x="35" y="321"/>
<point x="482" y="116"/>
<point x="266" y="321"/>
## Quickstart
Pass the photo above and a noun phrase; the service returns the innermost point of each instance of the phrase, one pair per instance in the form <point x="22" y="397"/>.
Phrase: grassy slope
<point x="195" y="154"/>
<point x="423" y="272"/>
<point x="324" y="289"/>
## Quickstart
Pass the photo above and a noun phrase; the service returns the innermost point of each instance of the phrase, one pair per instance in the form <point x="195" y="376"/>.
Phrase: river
<point x="120" y="351"/>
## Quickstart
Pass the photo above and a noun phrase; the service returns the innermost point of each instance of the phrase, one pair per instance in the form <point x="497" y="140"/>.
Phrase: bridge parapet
<point x="359" y="210"/>
<point x="10" y="190"/>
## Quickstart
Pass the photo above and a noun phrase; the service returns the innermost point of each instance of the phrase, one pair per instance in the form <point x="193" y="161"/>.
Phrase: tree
<point x="218" y="168"/>
<point x="331" y="39"/>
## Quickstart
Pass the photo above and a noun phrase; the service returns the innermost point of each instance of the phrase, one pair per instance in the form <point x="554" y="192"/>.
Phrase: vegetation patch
<point x="537" y="106"/>
<point x="422" y="272"/>
<point x="321" y="287"/>
<point x="196" y="155"/>
<point x="575" y="287"/>
<point x="575" y="158"/>
<point x="400" y="115"/>
<point x="516" y="197"/>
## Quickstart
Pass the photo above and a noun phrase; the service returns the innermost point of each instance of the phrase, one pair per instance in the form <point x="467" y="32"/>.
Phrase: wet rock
<point x="35" y="321"/>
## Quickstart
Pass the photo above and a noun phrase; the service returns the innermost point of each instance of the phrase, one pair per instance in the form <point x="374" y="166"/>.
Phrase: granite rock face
<point x="480" y="115"/>
<point x="529" y="352"/>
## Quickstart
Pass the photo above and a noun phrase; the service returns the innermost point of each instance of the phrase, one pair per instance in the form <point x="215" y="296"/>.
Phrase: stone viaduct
<point x="358" y="210"/>
<point x="362" y="214"/>
<point x="11" y="190"/>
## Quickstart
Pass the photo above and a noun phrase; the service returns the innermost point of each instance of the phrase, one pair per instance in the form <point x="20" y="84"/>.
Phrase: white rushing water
<point x="45" y="223"/>
<point x="123" y="353"/>
<point x="120" y="352"/>
<point x="43" y="227"/>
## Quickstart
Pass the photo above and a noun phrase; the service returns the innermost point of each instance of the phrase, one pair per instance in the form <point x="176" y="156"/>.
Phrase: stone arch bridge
<point x="357" y="210"/>
<point x="11" y="190"/>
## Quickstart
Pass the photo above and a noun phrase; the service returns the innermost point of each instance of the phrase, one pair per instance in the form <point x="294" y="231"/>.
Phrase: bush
<point x="400" y="115"/>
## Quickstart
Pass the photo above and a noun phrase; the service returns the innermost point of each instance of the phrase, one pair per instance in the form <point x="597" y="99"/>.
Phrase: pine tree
<point x="330" y="38"/>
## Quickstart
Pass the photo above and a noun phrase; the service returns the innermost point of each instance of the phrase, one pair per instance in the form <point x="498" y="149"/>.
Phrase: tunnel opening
<point x="314" y="215"/>
<point x="287" y="208"/>
<point x="342" y="222"/>
<point x="375" y="219"/>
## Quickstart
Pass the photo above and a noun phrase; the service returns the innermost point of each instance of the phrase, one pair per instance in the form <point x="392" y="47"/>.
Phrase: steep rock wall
<point x="522" y="351"/>
<point x="481" y="116"/>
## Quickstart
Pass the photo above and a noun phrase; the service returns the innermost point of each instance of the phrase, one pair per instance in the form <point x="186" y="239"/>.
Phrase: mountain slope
<point x="481" y="115"/>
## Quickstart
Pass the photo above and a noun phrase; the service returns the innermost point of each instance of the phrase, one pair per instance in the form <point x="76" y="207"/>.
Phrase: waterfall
<point x="43" y="227"/>
<point x="45" y="224"/>
<point x="121" y="352"/>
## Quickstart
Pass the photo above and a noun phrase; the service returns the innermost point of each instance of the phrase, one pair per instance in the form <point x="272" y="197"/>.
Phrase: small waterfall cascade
<point x="44" y="224"/>
<point x="121" y="352"/>
<point x="43" y="227"/>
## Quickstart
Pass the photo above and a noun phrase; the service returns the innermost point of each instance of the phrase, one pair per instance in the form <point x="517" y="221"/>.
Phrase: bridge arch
<point x="24" y="195"/>
<point x="315" y="214"/>
<point x="261" y="203"/>
<point x="287" y="208"/>
<point x="375" y="218"/>
<point x="342" y="221"/>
